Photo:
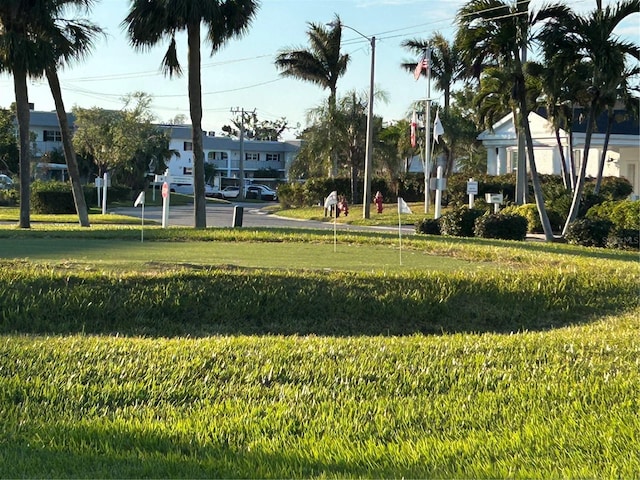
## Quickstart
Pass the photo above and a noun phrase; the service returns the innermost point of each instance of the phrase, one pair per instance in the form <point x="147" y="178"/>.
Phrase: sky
<point x="242" y="74"/>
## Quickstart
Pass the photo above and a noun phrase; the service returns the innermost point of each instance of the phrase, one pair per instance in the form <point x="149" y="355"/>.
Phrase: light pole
<point x="366" y="197"/>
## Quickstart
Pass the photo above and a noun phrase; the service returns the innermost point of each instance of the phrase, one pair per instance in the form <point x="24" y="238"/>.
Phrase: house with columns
<point x="622" y="154"/>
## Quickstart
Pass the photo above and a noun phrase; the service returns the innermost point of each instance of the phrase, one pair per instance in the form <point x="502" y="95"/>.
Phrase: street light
<point x="366" y="200"/>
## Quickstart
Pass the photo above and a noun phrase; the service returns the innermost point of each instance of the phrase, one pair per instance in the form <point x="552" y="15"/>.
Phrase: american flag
<point x="422" y="64"/>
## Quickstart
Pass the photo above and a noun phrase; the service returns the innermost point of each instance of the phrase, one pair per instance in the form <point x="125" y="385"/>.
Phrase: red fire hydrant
<point x="378" y="201"/>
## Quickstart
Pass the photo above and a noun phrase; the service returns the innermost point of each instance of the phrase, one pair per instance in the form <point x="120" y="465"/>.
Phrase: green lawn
<point x="257" y="353"/>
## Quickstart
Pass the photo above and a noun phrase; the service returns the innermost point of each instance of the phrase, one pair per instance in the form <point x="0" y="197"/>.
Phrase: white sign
<point x="472" y="188"/>
<point x="493" y="197"/>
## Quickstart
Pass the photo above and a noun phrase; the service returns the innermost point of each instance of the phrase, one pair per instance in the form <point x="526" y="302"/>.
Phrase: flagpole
<point x="427" y="133"/>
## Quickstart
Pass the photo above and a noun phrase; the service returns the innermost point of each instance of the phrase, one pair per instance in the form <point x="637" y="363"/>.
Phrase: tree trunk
<point x="566" y="180"/>
<point x="23" y="115"/>
<point x="603" y="157"/>
<point x="195" y="109"/>
<point x="67" y="146"/>
<point x="577" y="193"/>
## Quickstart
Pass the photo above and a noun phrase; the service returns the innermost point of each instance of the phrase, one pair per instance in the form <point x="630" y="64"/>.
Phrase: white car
<point x="261" y="192"/>
<point x="230" y="192"/>
<point x="5" y="182"/>
<point x="187" y="189"/>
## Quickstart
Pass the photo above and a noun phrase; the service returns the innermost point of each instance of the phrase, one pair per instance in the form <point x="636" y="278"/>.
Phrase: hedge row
<point x="464" y="222"/>
<point x="52" y="197"/>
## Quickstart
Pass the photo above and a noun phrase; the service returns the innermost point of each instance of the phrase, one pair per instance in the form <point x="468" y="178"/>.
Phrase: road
<point x="221" y="215"/>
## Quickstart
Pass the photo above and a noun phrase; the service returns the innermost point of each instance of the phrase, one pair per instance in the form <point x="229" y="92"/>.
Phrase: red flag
<point x="413" y="130"/>
<point x="422" y="64"/>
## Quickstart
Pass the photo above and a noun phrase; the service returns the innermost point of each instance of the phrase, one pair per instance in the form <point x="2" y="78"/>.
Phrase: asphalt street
<point x="221" y="215"/>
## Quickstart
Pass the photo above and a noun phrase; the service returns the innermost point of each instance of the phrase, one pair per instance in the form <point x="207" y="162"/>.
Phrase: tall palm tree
<point x="151" y="21"/>
<point x="498" y="31"/>
<point x="593" y="37"/>
<point x="446" y="63"/>
<point x="322" y="64"/>
<point x="67" y="40"/>
<point x="22" y="56"/>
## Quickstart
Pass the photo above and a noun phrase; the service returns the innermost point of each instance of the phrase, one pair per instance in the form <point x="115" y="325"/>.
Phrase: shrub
<point x="9" y="198"/>
<point x="291" y="195"/>
<point x="589" y="233"/>
<point x="624" y="214"/>
<point x="625" y="239"/>
<point x="52" y="197"/>
<point x="530" y="212"/>
<point x="612" y="188"/>
<point x="459" y="222"/>
<point x="507" y="227"/>
<point x="428" y="226"/>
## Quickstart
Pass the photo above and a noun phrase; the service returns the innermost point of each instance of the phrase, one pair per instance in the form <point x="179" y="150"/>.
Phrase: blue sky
<point x="242" y="74"/>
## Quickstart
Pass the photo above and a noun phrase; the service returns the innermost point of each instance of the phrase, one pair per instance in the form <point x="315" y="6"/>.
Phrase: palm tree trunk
<point x="67" y="146"/>
<point x="603" y="157"/>
<point x="566" y="181"/>
<point x="22" y="112"/>
<point x="195" y="109"/>
<point x="577" y="193"/>
<point x="535" y="179"/>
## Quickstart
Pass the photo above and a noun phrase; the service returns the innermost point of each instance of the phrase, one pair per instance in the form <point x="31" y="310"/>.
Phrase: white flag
<point x="402" y="206"/>
<point x="438" y="129"/>
<point x="331" y="200"/>
<point x="139" y="200"/>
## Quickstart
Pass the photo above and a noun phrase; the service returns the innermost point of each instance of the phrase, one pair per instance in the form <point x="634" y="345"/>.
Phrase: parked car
<point x="261" y="192"/>
<point x="230" y="192"/>
<point x="5" y="182"/>
<point x="187" y="189"/>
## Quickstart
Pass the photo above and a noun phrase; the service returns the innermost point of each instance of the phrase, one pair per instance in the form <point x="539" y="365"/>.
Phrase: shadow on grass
<point x="229" y="301"/>
<point x="102" y="451"/>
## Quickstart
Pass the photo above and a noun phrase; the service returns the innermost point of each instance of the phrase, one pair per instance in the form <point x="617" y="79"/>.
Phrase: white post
<point x="438" y="191"/>
<point x="105" y="180"/>
<point x="472" y="196"/>
<point x="166" y="197"/>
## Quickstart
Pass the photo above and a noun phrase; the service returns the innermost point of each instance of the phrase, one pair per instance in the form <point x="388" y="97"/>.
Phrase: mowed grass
<point x="508" y="360"/>
<point x="558" y="404"/>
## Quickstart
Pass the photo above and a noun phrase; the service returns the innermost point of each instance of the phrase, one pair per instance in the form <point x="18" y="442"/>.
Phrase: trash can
<point x="237" y="216"/>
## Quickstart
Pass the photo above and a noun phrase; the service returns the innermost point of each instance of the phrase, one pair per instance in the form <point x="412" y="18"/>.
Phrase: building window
<point x="187" y="171"/>
<point x="211" y="156"/>
<point x="252" y="157"/>
<point x="187" y="146"/>
<point x="273" y="157"/>
<point x="51" y="136"/>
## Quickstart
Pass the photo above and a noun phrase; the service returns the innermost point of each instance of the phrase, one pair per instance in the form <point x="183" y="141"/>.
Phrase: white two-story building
<point x="221" y="152"/>
<point x="224" y="154"/>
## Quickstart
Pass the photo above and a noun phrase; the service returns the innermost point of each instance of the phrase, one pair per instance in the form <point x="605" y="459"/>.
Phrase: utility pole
<point x="242" y="112"/>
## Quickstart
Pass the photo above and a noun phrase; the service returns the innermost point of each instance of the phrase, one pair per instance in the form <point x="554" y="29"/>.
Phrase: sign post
<point x="472" y="191"/>
<point x="165" y="204"/>
<point x="496" y="199"/>
<point x="106" y="182"/>
<point x="140" y="201"/>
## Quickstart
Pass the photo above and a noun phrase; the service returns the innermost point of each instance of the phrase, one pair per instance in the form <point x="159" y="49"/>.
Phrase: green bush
<point x="9" y="198"/>
<point x="459" y="222"/>
<point x="624" y="214"/>
<point x="52" y="198"/>
<point x="624" y="239"/>
<point x="291" y="195"/>
<point x="611" y="188"/>
<point x="589" y="233"/>
<point x="456" y="193"/>
<point x="428" y="226"/>
<point x="506" y="227"/>
<point x="530" y="212"/>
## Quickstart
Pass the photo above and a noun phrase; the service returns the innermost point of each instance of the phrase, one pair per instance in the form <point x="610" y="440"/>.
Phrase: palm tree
<point x="67" y="40"/>
<point x="150" y="21"/>
<point x="322" y="64"/>
<point x="592" y="36"/>
<point x="22" y="56"/>
<point x="498" y="31"/>
<point x="446" y="63"/>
